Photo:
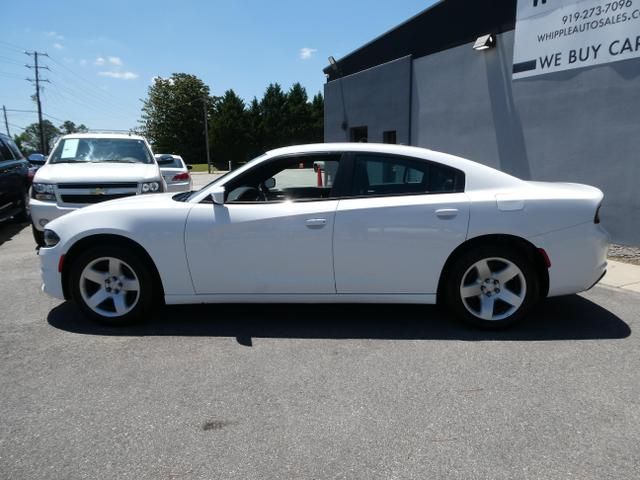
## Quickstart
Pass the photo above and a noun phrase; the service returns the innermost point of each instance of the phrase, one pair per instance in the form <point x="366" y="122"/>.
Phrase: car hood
<point x="92" y="172"/>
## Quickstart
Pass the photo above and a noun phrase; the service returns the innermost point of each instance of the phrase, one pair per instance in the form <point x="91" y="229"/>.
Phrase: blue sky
<point x="105" y="54"/>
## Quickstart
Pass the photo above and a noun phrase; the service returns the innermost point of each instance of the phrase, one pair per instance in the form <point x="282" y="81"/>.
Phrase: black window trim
<point x="350" y="159"/>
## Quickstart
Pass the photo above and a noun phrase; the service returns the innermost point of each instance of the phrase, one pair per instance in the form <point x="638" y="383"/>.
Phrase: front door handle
<point x="447" y="213"/>
<point x="316" y="222"/>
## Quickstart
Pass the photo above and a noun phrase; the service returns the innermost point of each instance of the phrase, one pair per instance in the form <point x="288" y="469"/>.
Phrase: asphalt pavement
<point x="314" y="392"/>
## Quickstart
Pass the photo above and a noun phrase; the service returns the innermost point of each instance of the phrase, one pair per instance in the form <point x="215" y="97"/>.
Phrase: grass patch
<point x="202" y="167"/>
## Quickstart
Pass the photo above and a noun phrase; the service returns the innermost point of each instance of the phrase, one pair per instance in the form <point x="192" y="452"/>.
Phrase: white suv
<point x="88" y="168"/>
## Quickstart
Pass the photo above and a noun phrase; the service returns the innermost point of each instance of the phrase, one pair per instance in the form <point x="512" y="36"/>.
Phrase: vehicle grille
<point x="88" y="186"/>
<point x="90" y="193"/>
<point x="93" y="198"/>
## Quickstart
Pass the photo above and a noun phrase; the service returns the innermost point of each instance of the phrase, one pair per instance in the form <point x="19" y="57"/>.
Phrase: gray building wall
<point x="379" y="98"/>
<point x="575" y="126"/>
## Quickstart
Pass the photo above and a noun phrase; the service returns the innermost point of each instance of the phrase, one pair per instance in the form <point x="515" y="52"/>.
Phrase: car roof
<point x="103" y="135"/>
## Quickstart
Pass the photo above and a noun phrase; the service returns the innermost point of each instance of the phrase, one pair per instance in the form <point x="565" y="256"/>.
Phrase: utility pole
<point x="36" y="67"/>
<point x="206" y="132"/>
<point x="6" y="122"/>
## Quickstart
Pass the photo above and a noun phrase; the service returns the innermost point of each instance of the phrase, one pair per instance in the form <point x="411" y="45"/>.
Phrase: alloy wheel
<point x="493" y="289"/>
<point x="109" y="287"/>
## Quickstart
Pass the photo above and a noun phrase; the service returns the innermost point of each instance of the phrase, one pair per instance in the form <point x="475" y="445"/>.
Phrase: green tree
<point x="173" y="116"/>
<point x="274" y="117"/>
<point x="255" y="129"/>
<point x="298" y="116"/>
<point x="317" y="119"/>
<point x="29" y="139"/>
<point x="70" y="127"/>
<point x="229" y="130"/>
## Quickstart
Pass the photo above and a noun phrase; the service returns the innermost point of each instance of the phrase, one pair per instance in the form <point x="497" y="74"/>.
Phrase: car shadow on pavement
<point x="10" y="229"/>
<point x="565" y="318"/>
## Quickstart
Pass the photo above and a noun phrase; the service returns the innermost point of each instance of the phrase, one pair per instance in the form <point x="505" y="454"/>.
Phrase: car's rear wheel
<point x="491" y="287"/>
<point x="111" y="285"/>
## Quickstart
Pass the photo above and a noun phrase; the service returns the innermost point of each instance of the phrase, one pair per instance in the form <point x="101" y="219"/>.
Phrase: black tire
<point x="25" y="213"/>
<point x="133" y="267"/>
<point x="38" y="236"/>
<point x="525" y="287"/>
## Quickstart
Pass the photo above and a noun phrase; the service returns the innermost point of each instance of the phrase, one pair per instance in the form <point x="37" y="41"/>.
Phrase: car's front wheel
<point x="491" y="287"/>
<point x="111" y="285"/>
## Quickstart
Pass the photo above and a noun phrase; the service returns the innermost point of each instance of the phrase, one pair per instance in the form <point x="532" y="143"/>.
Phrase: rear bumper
<point x="578" y="257"/>
<point x="185" y="186"/>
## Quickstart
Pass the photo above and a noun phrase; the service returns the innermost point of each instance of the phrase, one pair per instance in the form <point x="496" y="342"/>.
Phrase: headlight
<point x="151" y="187"/>
<point x="43" y="191"/>
<point x="51" y="238"/>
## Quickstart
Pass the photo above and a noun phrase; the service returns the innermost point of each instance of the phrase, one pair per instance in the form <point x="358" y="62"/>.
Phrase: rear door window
<point x="379" y="175"/>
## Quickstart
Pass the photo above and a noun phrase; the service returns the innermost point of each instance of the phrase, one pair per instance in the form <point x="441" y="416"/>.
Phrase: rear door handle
<point x="316" y="222"/>
<point x="447" y="213"/>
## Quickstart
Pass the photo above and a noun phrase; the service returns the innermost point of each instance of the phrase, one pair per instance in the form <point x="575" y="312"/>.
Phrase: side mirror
<point x="189" y="167"/>
<point x="217" y="194"/>
<point x="270" y="183"/>
<point x="37" y="158"/>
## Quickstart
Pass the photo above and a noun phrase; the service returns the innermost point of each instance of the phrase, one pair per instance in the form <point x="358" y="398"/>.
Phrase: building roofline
<point x="327" y="69"/>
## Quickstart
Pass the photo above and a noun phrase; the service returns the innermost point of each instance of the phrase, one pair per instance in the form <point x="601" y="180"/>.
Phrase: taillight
<point x="545" y="257"/>
<point x="181" y="176"/>
<point x="596" y="219"/>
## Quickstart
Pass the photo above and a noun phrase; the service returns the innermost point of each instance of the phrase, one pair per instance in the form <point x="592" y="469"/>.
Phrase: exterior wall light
<point x="485" y="42"/>
<point x="333" y="63"/>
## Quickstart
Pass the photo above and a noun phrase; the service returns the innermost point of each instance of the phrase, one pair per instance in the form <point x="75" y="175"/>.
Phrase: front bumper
<point x="51" y="278"/>
<point x="44" y="212"/>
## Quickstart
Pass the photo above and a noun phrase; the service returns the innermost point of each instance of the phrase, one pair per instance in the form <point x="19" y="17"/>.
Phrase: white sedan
<point x="175" y="172"/>
<point x="352" y="223"/>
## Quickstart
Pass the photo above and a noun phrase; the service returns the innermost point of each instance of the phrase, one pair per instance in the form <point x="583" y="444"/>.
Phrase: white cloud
<point x="307" y="53"/>
<point x="55" y="35"/>
<point x="115" y="61"/>
<point x="58" y="46"/>
<point x="120" y="75"/>
<point x="83" y="62"/>
<point x="99" y="61"/>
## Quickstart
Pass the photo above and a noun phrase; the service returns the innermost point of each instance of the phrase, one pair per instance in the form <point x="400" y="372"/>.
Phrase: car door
<point x="9" y="178"/>
<point x="267" y="239"/>
<point x="402" y="220"/>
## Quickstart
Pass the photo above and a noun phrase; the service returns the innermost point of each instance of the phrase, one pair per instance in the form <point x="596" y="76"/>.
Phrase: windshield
<point x="108" y="150"/>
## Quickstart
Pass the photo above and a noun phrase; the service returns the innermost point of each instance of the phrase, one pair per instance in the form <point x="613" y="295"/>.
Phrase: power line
<point x="12" y="75"/>
<point x="107" y="96"/>
<point x="16" y="126"/>
<point x="11" y="61"/>
<point x="12" y="46"/>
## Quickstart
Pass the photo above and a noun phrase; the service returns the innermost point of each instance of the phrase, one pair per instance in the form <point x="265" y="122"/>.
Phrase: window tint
<point x="174" y="163"/>
<point x="5" y="153"/>
<point x="297" y="178"/>
<point x="389" y="175"/>
<point x="14" y="148"/>
<point x="389" y="136"/>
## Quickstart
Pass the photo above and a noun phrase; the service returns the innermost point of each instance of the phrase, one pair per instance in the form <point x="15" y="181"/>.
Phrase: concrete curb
<point x="621" y="275"/>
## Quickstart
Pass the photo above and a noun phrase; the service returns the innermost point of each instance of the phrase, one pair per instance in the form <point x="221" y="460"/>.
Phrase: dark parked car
<point x="14" y="181"/>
